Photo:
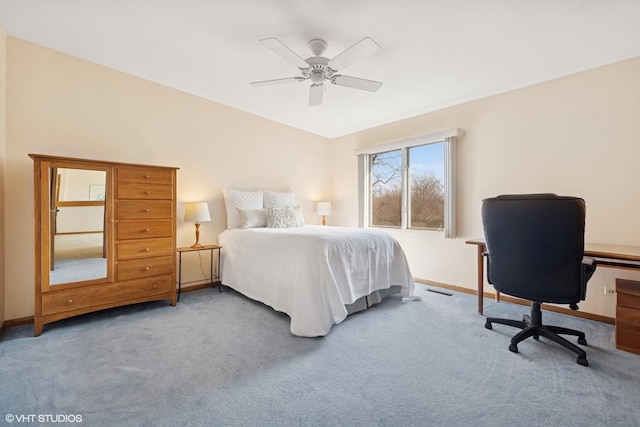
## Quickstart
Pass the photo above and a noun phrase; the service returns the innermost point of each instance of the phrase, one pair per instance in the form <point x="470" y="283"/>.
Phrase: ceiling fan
<point x="319" y="69"/>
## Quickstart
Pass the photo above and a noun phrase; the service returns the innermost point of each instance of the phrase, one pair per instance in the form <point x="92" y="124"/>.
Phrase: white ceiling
<point x="434" y="53"/>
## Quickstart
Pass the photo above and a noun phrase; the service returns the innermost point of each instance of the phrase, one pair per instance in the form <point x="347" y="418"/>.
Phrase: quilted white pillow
<point x="252" y="218"/>
<point x="278" y="200"/>
<point x="284" y="217"/>
<point x="234" y="199"/>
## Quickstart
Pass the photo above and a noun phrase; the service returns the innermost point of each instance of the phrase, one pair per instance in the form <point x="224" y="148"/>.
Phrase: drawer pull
<point x="69" y="301"/>
<point x="146" y="230"/>
<point x="147" y="177"/>
<point x="147" y="192"/>
<point x="147" y="210"/>
<point x="147" y="268"/>
<point x="146" y="249"/>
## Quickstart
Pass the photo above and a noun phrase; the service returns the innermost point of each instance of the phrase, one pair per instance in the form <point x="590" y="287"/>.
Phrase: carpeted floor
<point x="223" y="360"/>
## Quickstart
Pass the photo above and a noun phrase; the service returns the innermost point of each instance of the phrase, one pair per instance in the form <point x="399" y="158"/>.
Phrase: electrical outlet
<point x="608" y="291"/>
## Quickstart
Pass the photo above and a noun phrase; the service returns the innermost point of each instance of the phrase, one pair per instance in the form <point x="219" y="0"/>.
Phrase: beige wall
<point x="60" y="105"/>
<point x="578" y="135"/>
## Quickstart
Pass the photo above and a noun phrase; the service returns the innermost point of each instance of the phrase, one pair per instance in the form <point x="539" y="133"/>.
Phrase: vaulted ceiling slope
<point x="433" y="53"/>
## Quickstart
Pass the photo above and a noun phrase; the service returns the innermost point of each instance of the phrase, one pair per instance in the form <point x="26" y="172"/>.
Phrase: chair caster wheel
<point x="582" y="341"/>
<point x="513" y="348"/>
<point x="488" y="325"/>
<point x="583" y="361"/>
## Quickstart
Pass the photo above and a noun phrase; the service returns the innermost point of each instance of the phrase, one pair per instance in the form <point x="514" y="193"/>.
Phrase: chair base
<point x="532" y="327"/>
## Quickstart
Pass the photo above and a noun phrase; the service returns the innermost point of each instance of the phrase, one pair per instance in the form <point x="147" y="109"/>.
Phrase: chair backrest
<point x="535" y="245"/>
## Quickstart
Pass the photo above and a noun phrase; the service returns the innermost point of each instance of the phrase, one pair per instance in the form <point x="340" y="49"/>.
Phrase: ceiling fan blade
<point x="277" y="81"/>
<point x="364" y="47"/>
<point x="278" y="47"/>
<point x="356" y="83"/>
<point x="315" y="94"/>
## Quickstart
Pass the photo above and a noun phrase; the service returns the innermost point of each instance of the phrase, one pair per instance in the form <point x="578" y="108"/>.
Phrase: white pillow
<point x="284" y="217"/>
<point x="278" y="200"/>
<point x="234" y="199"/>
<point x="252" y="218"/>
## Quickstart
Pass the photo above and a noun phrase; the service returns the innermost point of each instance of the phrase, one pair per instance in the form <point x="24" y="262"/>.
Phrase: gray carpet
<point x="223" y="360"/>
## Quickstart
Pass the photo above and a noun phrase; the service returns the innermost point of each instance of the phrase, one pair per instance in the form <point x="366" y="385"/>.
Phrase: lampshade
<point x="323" y="208"/>
<point x="196" y="212"/>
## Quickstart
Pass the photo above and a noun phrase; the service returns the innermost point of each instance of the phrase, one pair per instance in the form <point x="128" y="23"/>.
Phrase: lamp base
<point x="197" y="243"/>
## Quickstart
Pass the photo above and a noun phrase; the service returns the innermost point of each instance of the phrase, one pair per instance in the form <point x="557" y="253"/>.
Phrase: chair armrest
<point x="587" y="268"/>
<point x="486" y="255"/>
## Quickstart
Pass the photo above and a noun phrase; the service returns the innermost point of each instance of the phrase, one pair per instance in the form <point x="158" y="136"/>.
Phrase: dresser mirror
<point x="74" y="222"/>
<point x="77" y="225"/>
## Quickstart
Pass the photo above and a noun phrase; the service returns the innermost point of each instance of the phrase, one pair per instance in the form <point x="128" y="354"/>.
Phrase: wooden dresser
<point x="139" y="238"/>
<point x="628" y="315"/>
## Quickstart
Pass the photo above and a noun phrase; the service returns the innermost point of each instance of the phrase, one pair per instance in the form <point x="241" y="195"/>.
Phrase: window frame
<point x="449" y="138"/>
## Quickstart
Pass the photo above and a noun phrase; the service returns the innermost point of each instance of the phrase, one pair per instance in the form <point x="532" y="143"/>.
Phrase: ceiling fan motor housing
<point x="318" y="70"/>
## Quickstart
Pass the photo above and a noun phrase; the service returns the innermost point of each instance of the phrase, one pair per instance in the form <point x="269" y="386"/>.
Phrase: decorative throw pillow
<point x="234" y="199"/>
<point x="278" y="200"/>
<point x="252" y="218"/>
<point x="284" y="217"/>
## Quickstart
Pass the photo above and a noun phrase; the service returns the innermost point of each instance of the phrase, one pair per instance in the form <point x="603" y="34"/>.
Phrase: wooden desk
<point x="612" y="256"/>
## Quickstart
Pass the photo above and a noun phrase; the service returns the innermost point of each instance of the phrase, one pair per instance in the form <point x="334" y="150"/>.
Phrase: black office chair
<point x="535" y="251"/>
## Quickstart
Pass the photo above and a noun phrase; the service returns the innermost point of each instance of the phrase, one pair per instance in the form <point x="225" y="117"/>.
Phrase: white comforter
<point x="311" y="272"/>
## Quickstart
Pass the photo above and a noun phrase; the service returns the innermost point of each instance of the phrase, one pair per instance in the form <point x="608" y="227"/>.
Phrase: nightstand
<point x="215" y="278"/>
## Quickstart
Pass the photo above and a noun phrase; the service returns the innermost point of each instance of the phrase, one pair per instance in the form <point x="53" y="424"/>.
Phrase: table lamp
<point x="324" y="209"/>
<point x="197" y="212"/>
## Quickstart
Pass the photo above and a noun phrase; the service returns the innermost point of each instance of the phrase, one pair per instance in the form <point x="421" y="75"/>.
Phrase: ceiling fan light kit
<point x="319" y="69"/>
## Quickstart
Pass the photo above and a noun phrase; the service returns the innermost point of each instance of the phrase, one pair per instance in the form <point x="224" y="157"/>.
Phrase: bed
<point x="315" y="274"/>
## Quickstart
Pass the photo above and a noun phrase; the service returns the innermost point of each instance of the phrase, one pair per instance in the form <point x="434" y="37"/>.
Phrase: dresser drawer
<point x="144" y="175"/>
<point x="629" y="301"/>
<point x="628" y="287"/>
<point x="126" y="230"/>
<point x="145" y="191"/>
<point x="108" y="295"/>
<point x="148" y="248"/>
<point x="140" y="209"/>
<point x="145" y="267"/>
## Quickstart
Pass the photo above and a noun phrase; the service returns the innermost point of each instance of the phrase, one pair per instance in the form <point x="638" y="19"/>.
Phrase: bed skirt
<point x="372" y="299"/>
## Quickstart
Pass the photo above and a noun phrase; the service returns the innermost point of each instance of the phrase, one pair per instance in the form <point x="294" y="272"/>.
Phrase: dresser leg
<point x="37" y="328"/>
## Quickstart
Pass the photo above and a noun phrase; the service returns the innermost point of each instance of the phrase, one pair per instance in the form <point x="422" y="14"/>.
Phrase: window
<point x="409" y="184"/>
<point x="426" y="186"/>
<point x="386" y="188"/>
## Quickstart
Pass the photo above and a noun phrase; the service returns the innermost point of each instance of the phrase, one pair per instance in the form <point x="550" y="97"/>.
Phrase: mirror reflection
<point x="77" y="238"/>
